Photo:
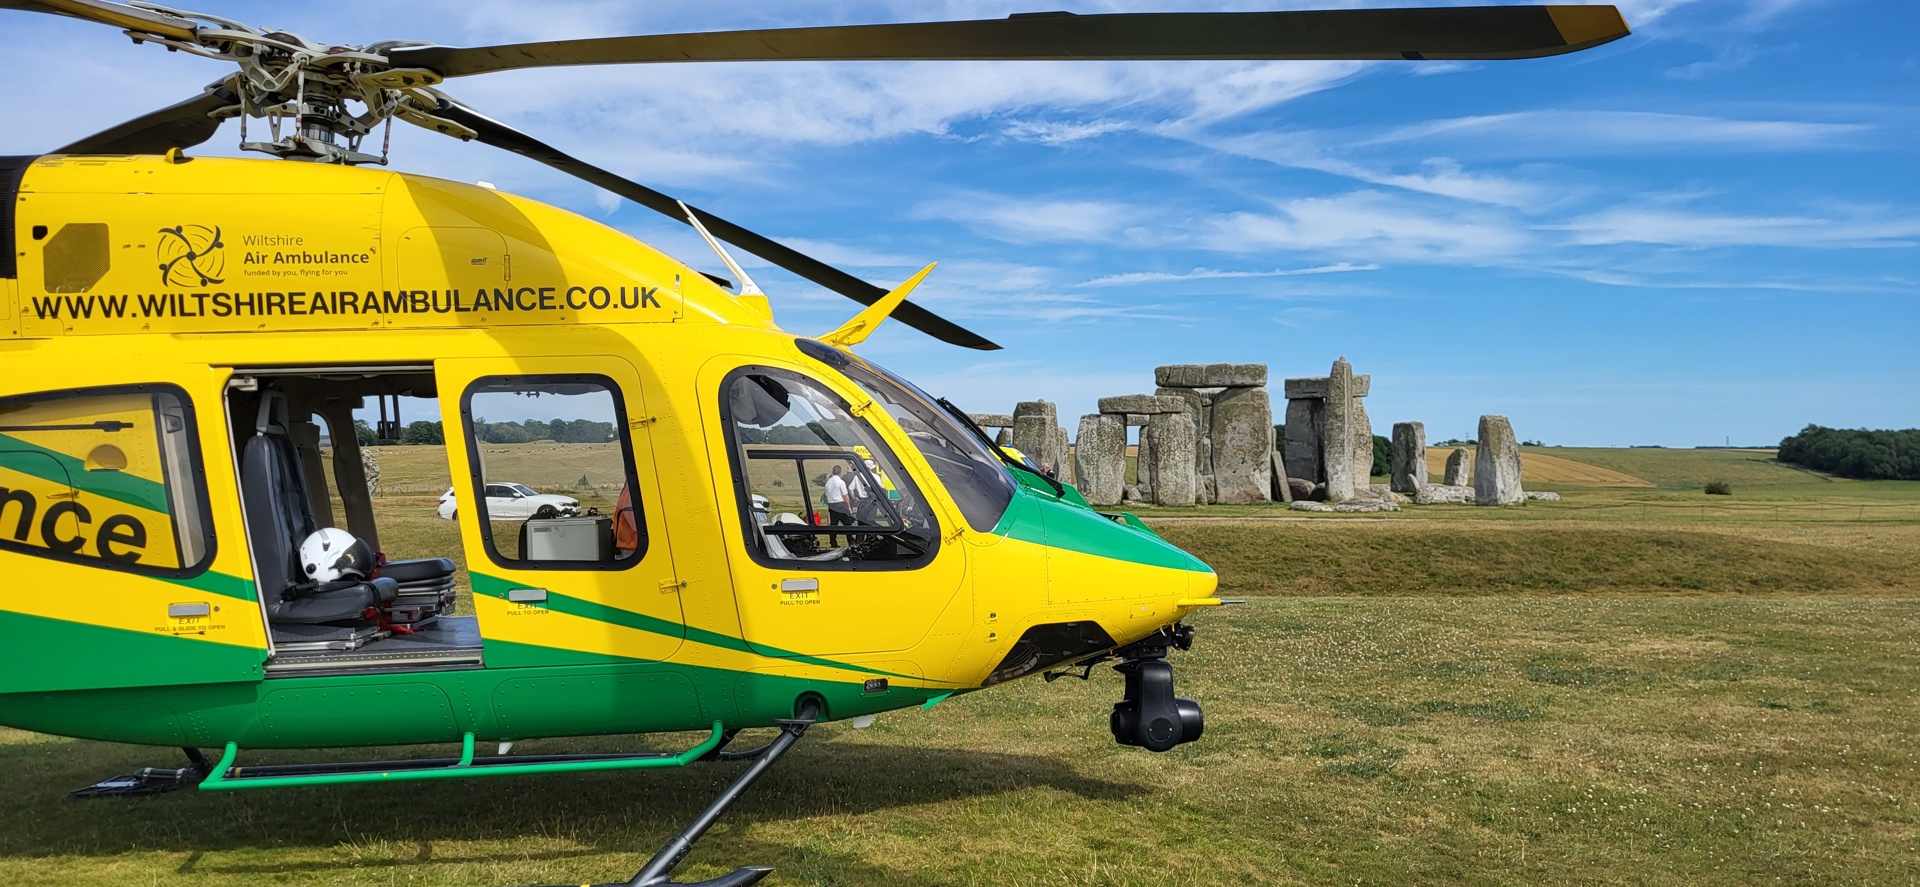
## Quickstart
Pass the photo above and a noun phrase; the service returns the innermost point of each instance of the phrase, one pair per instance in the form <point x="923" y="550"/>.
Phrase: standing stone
<point x="1200" y="408"/>
<point x="1100" y="458"/>
<point x="1458" y="470"/>
<point x="1302" y="450"/>
<point x="1496" y="464"/>
<point x="1409" y="471"/>
<point x="370" y="467"/>
<point x="1033" y="424"/>
<point x="1004" y="438"/>
<point x="1337" y="429"/>
<point x="1242" y="437"/>
<point x="1059" y="454"/>
<point x="1282" y="490"/>
<point x="1362" y="446"/>
<point x="1171" y="472"/>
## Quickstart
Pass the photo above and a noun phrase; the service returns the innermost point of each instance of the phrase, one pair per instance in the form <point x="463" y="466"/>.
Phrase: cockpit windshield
<point x="971" y="473"/>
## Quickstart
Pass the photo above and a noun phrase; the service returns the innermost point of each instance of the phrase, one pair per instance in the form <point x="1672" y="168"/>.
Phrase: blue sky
<point x="1705" y="231"/>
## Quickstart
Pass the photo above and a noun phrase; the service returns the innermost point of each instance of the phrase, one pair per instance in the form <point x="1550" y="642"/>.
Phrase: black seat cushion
<point x="422" y="570"/>
<point x="332" y="602"/>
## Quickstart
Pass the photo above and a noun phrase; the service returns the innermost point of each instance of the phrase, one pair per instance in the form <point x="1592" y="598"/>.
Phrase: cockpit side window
<point x="817" y="486"/>
<point x="974" y="477"/>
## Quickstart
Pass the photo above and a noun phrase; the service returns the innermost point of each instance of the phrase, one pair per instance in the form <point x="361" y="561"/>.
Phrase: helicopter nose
<point x="1121" y="563"/>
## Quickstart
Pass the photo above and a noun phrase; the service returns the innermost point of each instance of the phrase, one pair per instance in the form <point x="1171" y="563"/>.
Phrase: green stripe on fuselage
<point x="1041" y="519"/>
<point x="220" y="584"/>
<point x="38" y="461"/>
<point x="53" y="654"/>
<point x="559" y="603"/>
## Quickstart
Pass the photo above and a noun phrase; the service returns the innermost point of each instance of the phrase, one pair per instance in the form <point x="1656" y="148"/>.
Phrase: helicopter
<point x="187" y="339"/>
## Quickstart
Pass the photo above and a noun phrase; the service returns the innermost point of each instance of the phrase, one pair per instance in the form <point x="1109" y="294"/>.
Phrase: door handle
<point x="791" y="585"/>
<point x="526" y="595"/>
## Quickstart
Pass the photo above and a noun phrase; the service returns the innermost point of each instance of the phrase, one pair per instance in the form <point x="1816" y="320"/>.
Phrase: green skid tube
<point x="220" y="780"/>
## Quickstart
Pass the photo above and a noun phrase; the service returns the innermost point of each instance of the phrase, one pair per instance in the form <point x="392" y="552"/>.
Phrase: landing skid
<point x="659" y="871"/>
<point x="151" y="780"/>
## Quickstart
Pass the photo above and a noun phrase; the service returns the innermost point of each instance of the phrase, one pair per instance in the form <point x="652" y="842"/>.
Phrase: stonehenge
<point x="1207" y="437"/>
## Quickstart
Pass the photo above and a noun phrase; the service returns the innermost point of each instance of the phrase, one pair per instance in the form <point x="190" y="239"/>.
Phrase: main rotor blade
<point x="182" y="126"/>
<point x="500" y="135"/>
<point x="1475" y="32"/>
<point x="118" y="15"/>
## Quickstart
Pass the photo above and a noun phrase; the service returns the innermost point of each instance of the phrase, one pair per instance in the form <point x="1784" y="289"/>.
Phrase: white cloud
<point x="1563" y="132"/>
<point x="1437" y="175"/>
<point x="1370" y="225"/>
<point x="1141" y="277"/>
<point x="1674" y="227"/>
<point x="1021" y="220"/>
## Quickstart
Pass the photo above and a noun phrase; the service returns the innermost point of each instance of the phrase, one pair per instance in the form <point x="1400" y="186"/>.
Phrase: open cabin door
<point x="559" y="510"/>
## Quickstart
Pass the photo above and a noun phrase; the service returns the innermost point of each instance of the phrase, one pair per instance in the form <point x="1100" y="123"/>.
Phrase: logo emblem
<point x="191" y="255"/>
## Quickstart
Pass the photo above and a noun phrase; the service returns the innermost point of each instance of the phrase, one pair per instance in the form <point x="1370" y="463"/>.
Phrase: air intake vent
<point x="77" y="257"/>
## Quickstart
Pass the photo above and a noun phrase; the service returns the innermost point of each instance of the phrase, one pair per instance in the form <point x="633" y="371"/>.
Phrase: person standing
<point x="839" y="509"/>
<point x="860" y="492"/>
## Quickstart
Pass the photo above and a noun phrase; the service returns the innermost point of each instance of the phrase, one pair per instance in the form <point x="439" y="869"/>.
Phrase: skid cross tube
<point x="659" y="871"/>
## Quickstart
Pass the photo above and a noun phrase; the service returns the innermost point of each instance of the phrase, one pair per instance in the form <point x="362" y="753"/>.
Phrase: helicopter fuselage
<point x="152" y="308"/>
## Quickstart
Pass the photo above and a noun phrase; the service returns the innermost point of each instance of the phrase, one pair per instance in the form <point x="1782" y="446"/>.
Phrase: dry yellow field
<point x="1539" y="468"/>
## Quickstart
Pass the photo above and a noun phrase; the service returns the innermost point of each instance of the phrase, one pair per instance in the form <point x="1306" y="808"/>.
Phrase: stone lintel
<point x="992" y="420"/>
<point x="1211" y="375"/>
<point x="1142" y="405"/>
<point x="1316" y="388"/>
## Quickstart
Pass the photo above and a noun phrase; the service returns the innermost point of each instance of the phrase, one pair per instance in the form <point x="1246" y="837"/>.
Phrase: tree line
<point x="1855" y="453"/>
<point x="557" y="430"/>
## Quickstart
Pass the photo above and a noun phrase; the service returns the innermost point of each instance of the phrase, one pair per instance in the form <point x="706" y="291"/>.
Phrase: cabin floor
<point x="448" y="643"/>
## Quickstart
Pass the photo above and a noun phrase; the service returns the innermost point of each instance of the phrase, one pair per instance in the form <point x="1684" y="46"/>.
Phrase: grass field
<point x="1445" y="696"/>
<point x="1539" y="467"/>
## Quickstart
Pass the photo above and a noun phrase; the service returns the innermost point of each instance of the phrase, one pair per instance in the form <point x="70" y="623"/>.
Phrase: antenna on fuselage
<point x="747" y="286"/>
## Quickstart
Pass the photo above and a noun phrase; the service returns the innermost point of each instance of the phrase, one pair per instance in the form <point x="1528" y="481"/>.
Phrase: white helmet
<point x="333" y="554"/>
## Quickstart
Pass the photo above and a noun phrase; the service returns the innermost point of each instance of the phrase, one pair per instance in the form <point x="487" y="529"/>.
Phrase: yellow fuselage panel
<point x="138" y="245"/>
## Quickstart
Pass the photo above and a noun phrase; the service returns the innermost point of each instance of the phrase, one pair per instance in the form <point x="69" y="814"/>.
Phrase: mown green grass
<point x="1476" y="558"/>
<point x="1353" y="740"/>
<point x="1452" y="697"/>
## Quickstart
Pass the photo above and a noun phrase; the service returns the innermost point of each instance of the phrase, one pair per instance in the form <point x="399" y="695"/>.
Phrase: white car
<point x="512" y="502"/>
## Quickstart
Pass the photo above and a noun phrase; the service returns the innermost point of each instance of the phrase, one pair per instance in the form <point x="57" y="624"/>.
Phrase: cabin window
<point x="107" y="477"/>
<point x="552" y="466"/>
<point x="817" y="486"/>
<point x="971" y="473"/>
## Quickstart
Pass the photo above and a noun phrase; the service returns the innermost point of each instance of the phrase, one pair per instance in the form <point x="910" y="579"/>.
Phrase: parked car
<point x="510" y="501"/>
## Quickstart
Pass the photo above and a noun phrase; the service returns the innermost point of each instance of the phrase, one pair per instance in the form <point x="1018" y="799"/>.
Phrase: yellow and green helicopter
<point x="184" y="342"/>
